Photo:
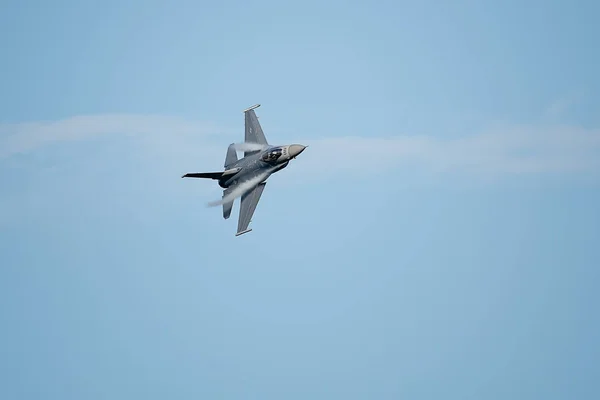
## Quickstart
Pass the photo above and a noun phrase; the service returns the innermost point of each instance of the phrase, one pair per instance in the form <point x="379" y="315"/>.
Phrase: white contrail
<point x="250" y="146"/>
<point x="241" y="188"/>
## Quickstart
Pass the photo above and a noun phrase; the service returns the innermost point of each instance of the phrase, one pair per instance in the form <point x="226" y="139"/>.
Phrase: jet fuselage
<point x="265" y="162"/>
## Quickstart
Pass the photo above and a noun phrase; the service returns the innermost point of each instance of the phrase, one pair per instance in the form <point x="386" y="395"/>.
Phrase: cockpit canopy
<point x="272" y="155"/>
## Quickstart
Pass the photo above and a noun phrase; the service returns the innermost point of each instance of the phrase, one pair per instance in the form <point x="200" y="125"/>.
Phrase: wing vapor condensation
<point x="240" y="189"/>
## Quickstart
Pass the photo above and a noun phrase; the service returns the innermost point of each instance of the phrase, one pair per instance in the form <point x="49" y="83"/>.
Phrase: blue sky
<point x="438" y="239"/>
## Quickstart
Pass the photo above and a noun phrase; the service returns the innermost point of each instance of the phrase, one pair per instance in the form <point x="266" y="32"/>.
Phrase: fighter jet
<point x="246" y="177"/>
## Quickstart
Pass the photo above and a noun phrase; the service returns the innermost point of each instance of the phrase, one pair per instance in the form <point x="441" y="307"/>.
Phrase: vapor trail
<point x="241" y="188"/>
<point x="249" y="146"/>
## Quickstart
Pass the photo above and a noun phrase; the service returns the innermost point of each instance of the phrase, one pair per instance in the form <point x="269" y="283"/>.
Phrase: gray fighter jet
<point x="246" y="177"/>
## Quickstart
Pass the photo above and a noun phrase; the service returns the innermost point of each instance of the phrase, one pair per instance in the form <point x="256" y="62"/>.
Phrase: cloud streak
<point x="519" y="150"/>
<point x="27" y="137"/>
<point x="508" y="149"/>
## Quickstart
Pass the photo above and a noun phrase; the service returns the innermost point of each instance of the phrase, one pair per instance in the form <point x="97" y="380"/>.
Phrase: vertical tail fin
<point x="231" y="156"/>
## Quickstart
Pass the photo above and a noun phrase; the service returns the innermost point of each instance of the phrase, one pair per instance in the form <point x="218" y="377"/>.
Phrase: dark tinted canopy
<point x="272" y="155"/>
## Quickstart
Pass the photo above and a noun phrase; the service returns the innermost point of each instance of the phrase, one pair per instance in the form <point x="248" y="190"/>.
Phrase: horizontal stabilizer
<point x="227" y="206"/>
<point x="231" y="155"/>
<point x="208" y="175"/>
<point x="242" y="232"/>
<point x="227" y="209"/>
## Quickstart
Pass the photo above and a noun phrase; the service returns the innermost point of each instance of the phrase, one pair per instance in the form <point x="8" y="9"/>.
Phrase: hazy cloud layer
<point x="26" y="137"/>
<point x="509" y="149"/>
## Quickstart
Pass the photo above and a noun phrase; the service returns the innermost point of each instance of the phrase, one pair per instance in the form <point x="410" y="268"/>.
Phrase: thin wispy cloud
<point x="516" y="149"/>
<point x="31" y="136"/>
<point x="508" y="149"/>
<point x="562" y="105"/>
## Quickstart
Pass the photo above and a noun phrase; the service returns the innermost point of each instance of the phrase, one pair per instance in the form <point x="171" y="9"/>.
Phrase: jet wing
<point x="247" y="206"/>
<point x="254" y="132"/>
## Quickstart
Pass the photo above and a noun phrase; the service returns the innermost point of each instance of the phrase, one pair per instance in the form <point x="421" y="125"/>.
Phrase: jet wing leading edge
<point x="253" y="130"/>
<point x="247" y="207"/>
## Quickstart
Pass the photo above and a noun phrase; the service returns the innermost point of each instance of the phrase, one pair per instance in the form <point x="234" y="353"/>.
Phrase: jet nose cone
<point x="295" y="149"/>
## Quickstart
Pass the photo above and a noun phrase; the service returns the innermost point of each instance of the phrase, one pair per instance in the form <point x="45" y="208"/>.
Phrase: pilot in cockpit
<point x="272" y="155"/>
